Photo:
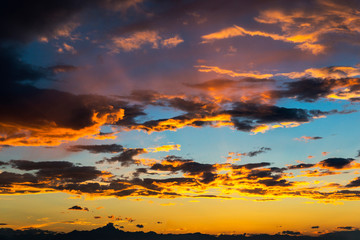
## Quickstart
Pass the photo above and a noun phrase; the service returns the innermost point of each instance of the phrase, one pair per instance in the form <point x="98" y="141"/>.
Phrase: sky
<point x="180" y="116"/>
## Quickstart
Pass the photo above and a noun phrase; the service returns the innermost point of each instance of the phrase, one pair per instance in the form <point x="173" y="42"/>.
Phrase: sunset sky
<point x="211" y="116"/>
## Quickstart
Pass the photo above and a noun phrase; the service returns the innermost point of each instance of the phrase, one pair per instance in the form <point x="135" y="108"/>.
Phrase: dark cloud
<point x="72" y="174"/>
<point x="269" y="177"/>
<point x="139" y="226"/>
<point x="3" y="163"/>
<point x="30" y="165"/>
<point x="76" y="207"/>
<point x="72" y="112"/>
<point x="291" y="233"/>
<point x="103" y="148"/>
<point x="347" y="228"/>
<point x="358" y="155"/>
<point x="191" y="106"/>
<point x="201" y="111"/>
<point x="14" y="70"/>
<point x="23" y="20"/>
<point x="38" y="108"/>
<point x="316" y="138"/>
<point x="354" y="183"/>
<point x="63" y="68"/>
<point x="9" y="178"/>
<point x="49" y="171"/>
<point x="126" y="158"/>
<point x="270" y="114"/>
<point x="251" y="165"/>
<point x="256" y="179"/>
<point x="3" y="224"/>
<point x="245" y="116"/>
<point x="175" y="164"/>
<point x="301" y="166"/>
<point x="336" y="163"/>
<point x="28" y="109"/>
<point x="315" y="227"/>
<point x="255" y="153"/>
<point x="132" y="112"/>
<point x="310" y="90"/>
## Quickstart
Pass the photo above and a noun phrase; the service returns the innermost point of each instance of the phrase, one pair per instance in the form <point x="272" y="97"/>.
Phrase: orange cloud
<point x="307" y="138"/>
<point x="50" y="135"/>
<point x="172" y="42"/>
<point x="306" y="29"/>
<point x="165" y="148"/>
<point x="304" y="42"/>
<point x="141" y="38"/>
<point x="173" y="124"/>
<point x="204" y="68"/>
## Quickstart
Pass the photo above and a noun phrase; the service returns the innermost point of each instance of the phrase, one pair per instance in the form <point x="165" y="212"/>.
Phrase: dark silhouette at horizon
<point x="110" y="232"/>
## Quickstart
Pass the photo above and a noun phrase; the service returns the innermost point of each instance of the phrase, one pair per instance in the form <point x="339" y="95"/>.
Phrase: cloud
<point x="135" y="41"/>
<point x="354" y="183"/>
<point x="48" y="19"/>
<point x="310" y="90"/>
<point x="39" y="123"/>
<point x="48" y="175"/>
<point x="139" y="226"/>
<point x="67" y="48"/>
<point x="347" y="228"/>
<point x="248" y="114"/>
<point x="288" y="232"/>
<point x="256" y="117"/>
<point x="174" y="176"/>
<point x="333" y="72"/>
<point x="303" y="42"/>
<point x="165" y="148"/>
<point x="336" y="163"/>
<point x="101" y="148"/>
<point x="301" y="166"/>
<point x="3" y="163"/>
<point x="329" y="164"/>
<point x="306" y="27"/>
<point x="63" y="68"/>
<point x="335" y="82"/>
<point x="206" y="111"/>
<point x="172" y="42"/>
<point x="126" y="158"/>
<point x="139" y="39"/>
<point x="307" y="138"/>
<point x="204" y="68"/>
<point x="27" y="165"/>
<point x="78" y="208"/>
<point x="233" y="156"/>
<point x="255" y="153"/>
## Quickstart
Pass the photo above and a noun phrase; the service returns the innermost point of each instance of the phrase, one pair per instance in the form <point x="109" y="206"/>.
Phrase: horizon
<point x="218" y="117"/>
<point x="110" y="227"/>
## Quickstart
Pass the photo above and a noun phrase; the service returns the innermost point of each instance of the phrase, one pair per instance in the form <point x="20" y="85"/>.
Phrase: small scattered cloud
<point x="139" y="225"/>
<point x="78" y="208"/>
<point x="140" y="39"/>
<point x="307" y="138"/>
